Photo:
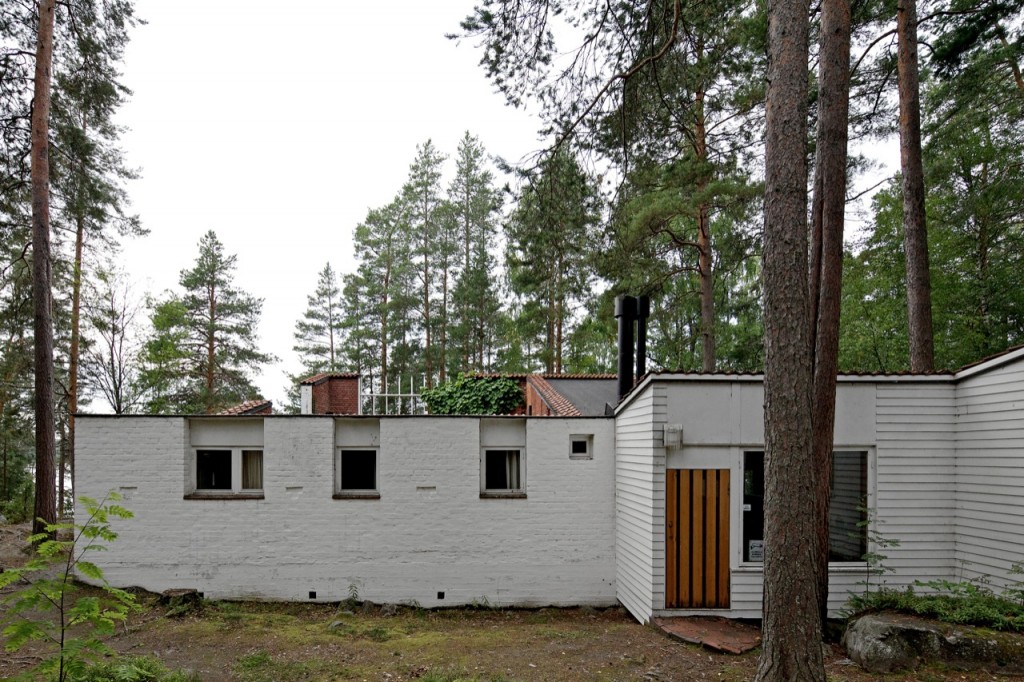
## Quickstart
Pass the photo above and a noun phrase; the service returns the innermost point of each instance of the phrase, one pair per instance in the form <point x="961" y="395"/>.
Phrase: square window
<point x="213" y="470"/>
<point x="502" y="471"/>
<point x="581" y="446"/>
<point x="847" y="513"/>
<point x="358" y="470"/>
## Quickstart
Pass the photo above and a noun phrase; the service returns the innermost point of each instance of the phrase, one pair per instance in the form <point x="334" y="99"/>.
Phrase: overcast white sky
<point x="278" y="125"/>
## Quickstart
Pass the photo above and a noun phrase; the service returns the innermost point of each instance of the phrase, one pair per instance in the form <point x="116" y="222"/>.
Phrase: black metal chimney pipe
<point x="643" y="311"/>
<point x="625" y="313"/>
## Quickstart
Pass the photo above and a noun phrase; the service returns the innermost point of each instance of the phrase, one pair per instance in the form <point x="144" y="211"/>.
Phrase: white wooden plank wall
<point x="990" y="475"/>
<point x="640" y="502"/>
<point x="916" y="491"/>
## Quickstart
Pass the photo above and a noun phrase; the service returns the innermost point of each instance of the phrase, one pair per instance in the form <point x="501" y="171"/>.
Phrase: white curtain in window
<point x="252" y="469"/>
<point x="512" y="469"/>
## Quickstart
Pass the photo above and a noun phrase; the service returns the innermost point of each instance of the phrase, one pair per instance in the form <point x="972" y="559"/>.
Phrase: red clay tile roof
<point x="250" y="407"/>
<point x="323" y="376"/>
<point x="559" y="404"/>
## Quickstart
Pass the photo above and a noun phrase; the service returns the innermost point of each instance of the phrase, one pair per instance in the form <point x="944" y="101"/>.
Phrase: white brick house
<point x="655" y="507"/>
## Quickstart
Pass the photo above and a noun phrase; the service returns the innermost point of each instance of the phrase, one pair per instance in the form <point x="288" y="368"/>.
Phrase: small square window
<point x="356" y="473"/>
<point x="358" y="469"/>
<point x="581" y="446"/>
<point x="503" y="471"/>
<point x="213" y="470"/>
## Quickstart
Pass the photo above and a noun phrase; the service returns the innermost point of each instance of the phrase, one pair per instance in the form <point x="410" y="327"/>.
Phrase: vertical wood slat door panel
<point x="697" y="538"/>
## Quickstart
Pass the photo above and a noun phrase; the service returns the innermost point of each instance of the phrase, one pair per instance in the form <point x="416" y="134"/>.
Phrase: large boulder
<point x="890" y="642"/>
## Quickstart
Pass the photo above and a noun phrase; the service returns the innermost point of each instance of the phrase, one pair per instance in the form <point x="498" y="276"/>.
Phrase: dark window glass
<point x="847" y="512"/>
<point x="579" y="446"/>
<point x="213" y="470"/>
<point x="358" y="469"/>
<point x="501" y="470"/>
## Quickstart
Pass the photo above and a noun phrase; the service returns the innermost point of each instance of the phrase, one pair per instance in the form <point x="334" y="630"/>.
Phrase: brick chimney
<point x="330" y="393"/>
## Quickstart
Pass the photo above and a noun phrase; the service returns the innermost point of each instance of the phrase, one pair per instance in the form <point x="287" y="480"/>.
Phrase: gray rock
<point x="891" y="642"/>
<point x="881" y="645"/>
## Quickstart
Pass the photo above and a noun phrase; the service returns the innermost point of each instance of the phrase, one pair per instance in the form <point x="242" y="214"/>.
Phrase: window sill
<point x="224" y="496"/>
<point x="488" y="495"/>
<point x="357" y="495"/>
<point x="833" y="567"/>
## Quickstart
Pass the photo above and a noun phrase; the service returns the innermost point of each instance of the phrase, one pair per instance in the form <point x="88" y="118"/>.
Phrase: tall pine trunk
<point x="826" y="271"/>
<point x="707" y="281"/>
<point x="74" y="359"/>
<point x="791" y="626"/>
<point x="915" y="230"/>
<point x="46" y="445"/>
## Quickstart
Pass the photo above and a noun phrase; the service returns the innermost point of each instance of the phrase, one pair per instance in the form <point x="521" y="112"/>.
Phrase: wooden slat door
<point x="697" y="539"/>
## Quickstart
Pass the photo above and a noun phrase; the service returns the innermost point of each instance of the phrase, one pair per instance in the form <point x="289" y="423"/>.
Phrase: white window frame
<point x="869" y="464"/>
<point x="360" y="493"/>
<point x="503" y="493"/>
<point x="588" y="440"/>
<point x="236" y="491"/>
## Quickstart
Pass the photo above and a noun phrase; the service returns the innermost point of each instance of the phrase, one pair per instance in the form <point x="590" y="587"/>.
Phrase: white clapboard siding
<point x="640" y="501"/>
<point x="915" y="479"/>
<point x="990" y="473"/>
<point x="748" y="590"/>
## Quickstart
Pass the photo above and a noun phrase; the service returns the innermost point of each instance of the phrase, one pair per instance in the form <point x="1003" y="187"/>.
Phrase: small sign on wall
<point x="755" y="550"/>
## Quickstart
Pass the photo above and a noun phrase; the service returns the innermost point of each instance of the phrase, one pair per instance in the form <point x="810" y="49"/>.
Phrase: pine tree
<point x="383" y="286"/>
<point x="204" y="347"/>
<point x="319" y="334"/>
<point x="474" y="203"/>
<point x="433" y="247"/>
<point x="551" y="237"/>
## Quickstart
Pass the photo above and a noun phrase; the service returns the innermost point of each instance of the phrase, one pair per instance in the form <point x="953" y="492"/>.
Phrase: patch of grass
<point x="566" y="635"/>
<point x="260" y="666"/>
<point x="378" y="633"/>
<point x="234" y="614"/>
<point x="254" y="661"/>
<point x="452" y="676"/>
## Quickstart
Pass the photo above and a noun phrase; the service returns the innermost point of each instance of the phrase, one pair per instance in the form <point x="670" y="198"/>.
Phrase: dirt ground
<point x="263" y="642"/>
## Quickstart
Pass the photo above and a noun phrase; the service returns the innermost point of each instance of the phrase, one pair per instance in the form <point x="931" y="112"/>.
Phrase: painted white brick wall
<point x="429" y="532"/>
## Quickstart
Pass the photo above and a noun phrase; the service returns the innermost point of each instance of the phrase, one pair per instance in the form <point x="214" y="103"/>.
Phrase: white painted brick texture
<point x="429" y="532"/>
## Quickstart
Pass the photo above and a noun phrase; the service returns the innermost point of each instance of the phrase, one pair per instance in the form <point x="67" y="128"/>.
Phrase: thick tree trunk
<point x="45" y="502"/>
<point x="707" y="280"/>
<point x="792" y="631"/>
<point x="827" y="258"/>
<point x="915" y="230"/>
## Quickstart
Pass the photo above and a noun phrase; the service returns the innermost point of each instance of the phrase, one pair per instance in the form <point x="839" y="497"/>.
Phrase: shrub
<point x="474" y="395"/>
<point x="47" y="607"/>
<point x="963" y="603"/>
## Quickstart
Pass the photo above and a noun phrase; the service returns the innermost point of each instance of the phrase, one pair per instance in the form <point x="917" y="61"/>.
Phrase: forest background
<point x="467" y="263"/>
